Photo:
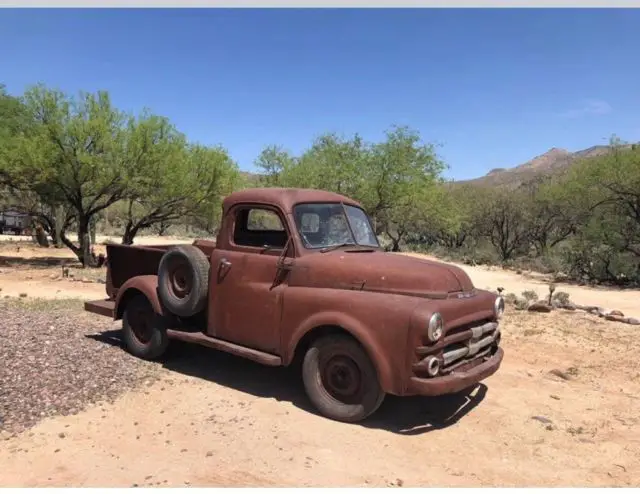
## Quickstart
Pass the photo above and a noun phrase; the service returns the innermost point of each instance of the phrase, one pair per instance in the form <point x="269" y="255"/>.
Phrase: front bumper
<point x="458" y="379"/>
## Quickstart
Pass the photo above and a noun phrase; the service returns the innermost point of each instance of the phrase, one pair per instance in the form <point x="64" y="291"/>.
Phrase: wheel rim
<point x="141" y="322"/>
<point x="342" y="378"/>
<point x="180" y="280"/>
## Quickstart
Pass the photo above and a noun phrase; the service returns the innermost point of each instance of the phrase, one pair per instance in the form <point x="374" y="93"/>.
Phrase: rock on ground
<point x="54" y="362"/>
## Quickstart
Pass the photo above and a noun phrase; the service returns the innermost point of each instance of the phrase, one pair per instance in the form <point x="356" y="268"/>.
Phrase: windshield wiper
<point x="336" y="246"/>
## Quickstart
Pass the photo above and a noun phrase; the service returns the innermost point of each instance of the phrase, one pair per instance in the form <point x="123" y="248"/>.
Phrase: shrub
<point x="510" y="298"/>
<point x="561" y="297"/>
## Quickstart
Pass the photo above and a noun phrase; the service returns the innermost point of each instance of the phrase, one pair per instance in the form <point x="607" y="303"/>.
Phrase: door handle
<point x="223" y="269"/>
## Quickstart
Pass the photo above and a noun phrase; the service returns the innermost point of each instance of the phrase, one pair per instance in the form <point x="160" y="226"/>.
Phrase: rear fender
<point x="146" y="285"/>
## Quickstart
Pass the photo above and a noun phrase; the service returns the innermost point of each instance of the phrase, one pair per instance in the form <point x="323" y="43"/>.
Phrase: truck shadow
<point x="400" y="415"/>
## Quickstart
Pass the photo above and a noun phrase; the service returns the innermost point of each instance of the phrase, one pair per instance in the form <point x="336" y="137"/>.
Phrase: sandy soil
<point x="215" y="420"/>
<point x="37" y="272"/>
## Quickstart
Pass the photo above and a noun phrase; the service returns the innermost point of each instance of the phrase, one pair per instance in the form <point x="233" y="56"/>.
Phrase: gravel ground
<point x="53" y="361"/>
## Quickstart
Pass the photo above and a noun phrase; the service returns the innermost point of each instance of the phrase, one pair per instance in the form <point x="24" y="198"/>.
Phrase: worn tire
<point x="183" y="280"/>
<point x="320" y="368"/>
<point x="139" y="317"/>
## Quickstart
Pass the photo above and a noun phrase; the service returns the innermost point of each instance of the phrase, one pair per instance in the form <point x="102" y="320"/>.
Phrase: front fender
<point x="147" y="285"/>
<point x="389" y="380"/>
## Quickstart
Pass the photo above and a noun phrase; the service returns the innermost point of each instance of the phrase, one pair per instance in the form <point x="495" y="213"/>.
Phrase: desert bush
<point x="510" y="298"/>
<point x="521" y="304"/>
<point x="561" y="297"/>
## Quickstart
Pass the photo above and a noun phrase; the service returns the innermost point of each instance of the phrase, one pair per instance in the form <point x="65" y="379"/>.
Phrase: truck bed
<point x="126" y="261"/>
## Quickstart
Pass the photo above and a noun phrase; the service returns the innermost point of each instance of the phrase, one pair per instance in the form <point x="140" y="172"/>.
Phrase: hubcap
<point x="341" y="378"/>
<point x="180" y="279"/>
<point x="141" y="323"/>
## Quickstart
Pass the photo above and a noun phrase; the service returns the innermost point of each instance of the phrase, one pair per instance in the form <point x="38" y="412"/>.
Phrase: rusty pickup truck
<point x="298" y="276"/>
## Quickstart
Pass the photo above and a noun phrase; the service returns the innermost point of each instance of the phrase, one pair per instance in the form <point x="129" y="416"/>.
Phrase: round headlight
<point x="434" y="331"/>
<point x="498" y="307"/>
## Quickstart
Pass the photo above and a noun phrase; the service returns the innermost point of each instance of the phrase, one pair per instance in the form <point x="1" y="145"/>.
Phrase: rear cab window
<point x="259" y="227"/>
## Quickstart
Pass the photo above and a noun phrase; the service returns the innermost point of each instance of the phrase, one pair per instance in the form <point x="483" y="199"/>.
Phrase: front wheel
<point x="340" y="379"/>
<point x="144" y="332"/>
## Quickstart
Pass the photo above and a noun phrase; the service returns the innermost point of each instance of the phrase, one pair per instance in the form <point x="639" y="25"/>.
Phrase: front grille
<point x="460" y="347"/>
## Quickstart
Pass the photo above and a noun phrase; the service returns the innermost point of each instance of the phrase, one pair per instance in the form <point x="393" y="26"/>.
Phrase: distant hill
<point x="553" y="161"/>
<point x="251" y="178"/>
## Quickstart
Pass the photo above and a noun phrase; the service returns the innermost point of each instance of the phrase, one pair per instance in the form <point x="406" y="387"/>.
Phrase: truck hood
<point x="379" y="271"/>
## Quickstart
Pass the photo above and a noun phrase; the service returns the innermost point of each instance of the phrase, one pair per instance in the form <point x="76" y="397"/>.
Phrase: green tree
<point x="273" y="162"/>
<point x="38" y="200"/>
<point x="606" y="189"/>
<point x="171" y="180"/>
<point x="211" y="175"/>
<point x="503" y="221"/>
<point x="75" y="152"/>
<point x="550" y="216"/>
<point x="332" y="163"/>
<point x="398" y="175"/>
<point x="459" y="218"/>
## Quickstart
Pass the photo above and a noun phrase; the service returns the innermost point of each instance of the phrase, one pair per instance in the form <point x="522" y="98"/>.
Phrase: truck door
<point x="246" y="283"/>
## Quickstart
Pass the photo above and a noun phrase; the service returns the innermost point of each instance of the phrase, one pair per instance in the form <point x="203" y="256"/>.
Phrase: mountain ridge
<point x="552" y="161"/>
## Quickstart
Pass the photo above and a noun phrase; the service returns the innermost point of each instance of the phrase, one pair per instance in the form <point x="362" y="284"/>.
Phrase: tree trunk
<point x="83" y="250"/>
<point x="107" y="225"/>
<point x="41" y="236"/>
<point x="130" y="231"/>
<point x="92" y="230"/>
<point x="56" y="232"/>
<point x="162" y="228"/>
<point x="395" y="241"/>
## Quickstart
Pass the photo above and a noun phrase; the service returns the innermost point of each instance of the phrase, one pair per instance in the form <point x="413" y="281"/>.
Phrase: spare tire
<point x="183" y="280"/>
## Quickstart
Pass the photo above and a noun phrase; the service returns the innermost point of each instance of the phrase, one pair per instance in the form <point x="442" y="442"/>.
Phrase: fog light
<point x="433" y="366"/>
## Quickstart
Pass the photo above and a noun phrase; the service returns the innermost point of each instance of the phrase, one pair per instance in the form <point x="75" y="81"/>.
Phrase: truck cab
<point x="298" y="276"/>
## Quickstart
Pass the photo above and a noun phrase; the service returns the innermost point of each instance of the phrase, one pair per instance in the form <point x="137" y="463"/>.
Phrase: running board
<point x="225" y="346"/>
<point x="106" y="307"/>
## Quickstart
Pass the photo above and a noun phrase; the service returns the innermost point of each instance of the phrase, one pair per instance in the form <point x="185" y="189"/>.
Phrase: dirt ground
<point x="37" y="272"/>
<point x="561" y="411"/>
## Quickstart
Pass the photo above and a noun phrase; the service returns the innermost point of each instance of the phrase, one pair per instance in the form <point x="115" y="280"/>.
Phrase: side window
<point x="259" y="227"/>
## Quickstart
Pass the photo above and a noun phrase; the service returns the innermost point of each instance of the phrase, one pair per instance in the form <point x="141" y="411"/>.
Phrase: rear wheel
<point x="340" y="379"/>
<point x="144" y="331"/>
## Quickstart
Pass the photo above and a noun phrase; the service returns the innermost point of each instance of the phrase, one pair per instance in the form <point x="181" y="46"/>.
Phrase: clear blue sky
<point x="493" y="87"/>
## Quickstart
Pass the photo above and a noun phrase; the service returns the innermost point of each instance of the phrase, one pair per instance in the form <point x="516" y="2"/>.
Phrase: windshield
<point x="325" y="225"/>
